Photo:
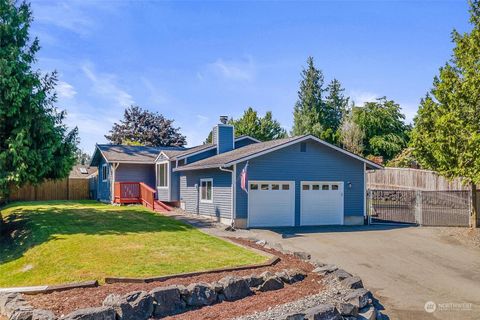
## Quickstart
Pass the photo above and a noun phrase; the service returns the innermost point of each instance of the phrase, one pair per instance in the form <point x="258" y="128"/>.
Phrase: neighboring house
<point x="86" y="172"/>
<point x="291" y="182"/>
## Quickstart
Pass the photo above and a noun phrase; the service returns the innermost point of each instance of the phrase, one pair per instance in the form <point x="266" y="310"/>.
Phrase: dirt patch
<point x="464" y="236"/>
<point x="62" y="303"/>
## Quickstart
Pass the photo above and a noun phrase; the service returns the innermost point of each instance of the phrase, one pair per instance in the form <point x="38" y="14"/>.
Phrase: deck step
<point x="162" y="207"/>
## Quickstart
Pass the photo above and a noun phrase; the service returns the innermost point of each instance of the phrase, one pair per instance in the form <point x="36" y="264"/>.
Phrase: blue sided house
<point x="296" y="181"/>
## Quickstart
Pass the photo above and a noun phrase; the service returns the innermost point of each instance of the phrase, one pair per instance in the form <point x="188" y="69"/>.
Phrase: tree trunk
<point x="474" y="217"/>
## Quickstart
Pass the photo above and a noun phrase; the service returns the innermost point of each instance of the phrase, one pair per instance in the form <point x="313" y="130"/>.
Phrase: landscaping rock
<point x="358" y="297"/>
<point x="200" y="294"/>
<point x="253" y="280"/>
<point x="5" y="298"/>
<point x="341" y="274"/>
<point x="326" y="269"/>
<point x="295" y="275"/>
<point x="352" y="283"/>
<point x="40" y="314"/>
<point x="217" y="287"/>
<point x="367" y="313"/>
<point x="21" y="312"/>
<point x="261" y="243"/>
<point x="295" y="316"/>
<point x="100" y="313"/>
<point x="136" y="305"/>
<point x="235" y="288"/>
<point x="272" y="283"/>
<point x="323" y="312"/>
<point x="347" y="309"/>
<point x="265" y="275"/>
<point x="317" y="263"/>
<point x="15" y="307"/>
<point x="302" y="255"/>
<point x="168" y="301"/>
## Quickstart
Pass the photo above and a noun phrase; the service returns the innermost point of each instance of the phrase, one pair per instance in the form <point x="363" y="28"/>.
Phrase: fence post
<point x="473" y="203"/>
<point x="369" y="207"/>
<point x="418" y="207"/>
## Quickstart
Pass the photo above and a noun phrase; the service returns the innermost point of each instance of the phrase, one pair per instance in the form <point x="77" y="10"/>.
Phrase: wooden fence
<point x="66" y="189"/>
<point x="411" y="179"/>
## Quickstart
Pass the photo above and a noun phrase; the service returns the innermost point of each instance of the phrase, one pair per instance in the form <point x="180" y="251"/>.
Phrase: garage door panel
<point x="321" y="203"/>
<point x="271" y="203"/>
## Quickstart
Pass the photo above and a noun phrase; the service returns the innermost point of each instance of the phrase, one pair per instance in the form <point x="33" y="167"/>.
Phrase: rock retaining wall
<point x="159" y="302"/>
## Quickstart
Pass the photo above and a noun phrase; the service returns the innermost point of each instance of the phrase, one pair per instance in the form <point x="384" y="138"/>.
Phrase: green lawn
<point x="60" y="241"/>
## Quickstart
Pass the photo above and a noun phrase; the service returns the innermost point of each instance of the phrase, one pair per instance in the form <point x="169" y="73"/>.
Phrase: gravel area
<point x="331" y="294"/>
<point x="466" y="236"/>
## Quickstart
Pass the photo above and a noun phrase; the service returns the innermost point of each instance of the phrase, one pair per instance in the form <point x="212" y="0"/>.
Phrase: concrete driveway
<point x="404" y="267"/>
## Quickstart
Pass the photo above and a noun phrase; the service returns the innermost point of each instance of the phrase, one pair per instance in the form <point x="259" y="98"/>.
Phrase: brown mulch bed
<point x="64" y="302"/>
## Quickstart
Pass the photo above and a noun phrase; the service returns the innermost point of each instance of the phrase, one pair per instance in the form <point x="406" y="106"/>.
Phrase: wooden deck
<point x="138" y="192"/>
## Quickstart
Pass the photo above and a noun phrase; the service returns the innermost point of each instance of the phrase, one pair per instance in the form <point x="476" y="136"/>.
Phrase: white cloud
<point x="105" y="85"/>
<point x="66" y="15"/>
<point x="360" y="97"/>
<point x="202" y="119"/>
<point x="156" y="94"/>
<point x="243" y="70"/>
<point x="65" y="90"/>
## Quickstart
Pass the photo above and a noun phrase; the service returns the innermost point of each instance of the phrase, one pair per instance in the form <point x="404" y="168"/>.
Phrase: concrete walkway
<point x="405" y="267"/>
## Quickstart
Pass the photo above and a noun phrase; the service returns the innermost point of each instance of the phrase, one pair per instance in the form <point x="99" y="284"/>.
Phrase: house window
<point x="206" y="190"/>
<point x="334" y="186"/>
<point x="306" y="187"/>
<point x="162" y="175"/>
<point x="254" y="186"/>
<point x="325" y="187"/>
<point x="104" y="173"/>
<point x="285" y="187"/>
<point x="275" y="187"/>
<point x="316" y="187"/>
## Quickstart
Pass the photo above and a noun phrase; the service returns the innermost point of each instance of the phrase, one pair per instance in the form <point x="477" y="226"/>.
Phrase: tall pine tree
<point x="34" y="143"/>
<point x="307" y="110"/>
<point x="335" y="106"/>
<point x="446" y="136"/>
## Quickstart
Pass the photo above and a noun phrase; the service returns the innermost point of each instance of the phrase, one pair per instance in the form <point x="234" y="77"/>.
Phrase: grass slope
<point x="58" y="242"/>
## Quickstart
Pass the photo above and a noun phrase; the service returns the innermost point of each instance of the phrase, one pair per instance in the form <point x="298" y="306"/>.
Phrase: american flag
<point x="244" y="178"/>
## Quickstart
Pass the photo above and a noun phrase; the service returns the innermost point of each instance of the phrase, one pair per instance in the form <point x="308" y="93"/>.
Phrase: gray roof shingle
<point x="138" y="154"/>
<point x="237" y="154"/>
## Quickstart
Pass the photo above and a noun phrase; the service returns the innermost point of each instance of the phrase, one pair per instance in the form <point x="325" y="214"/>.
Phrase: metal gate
<point x="428" y="208"/>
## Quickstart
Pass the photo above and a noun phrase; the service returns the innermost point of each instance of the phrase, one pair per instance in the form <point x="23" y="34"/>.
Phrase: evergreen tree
<point x="142" y="127"/>
<point x="262" y="128"/>
<point x="382" y="122"/>
<point x="335" y="106"/>
<point x="307" y="110"/>
<point x="446" y="136"/>
<point x="34" y="143"/>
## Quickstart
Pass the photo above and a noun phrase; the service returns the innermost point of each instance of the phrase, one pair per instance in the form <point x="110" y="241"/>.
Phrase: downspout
<point x="112" y="187"/>
<point x="234" y="184"/>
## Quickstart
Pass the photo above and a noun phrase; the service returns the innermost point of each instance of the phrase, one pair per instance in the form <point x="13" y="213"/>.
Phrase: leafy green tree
<point x="405" y="159"/>
<point x="335" y="107"/>
<point x="307" y="110"/>
<point x="34" y="143"/>
<point x="82" y="158"/>
<point x="446" y="136"/>
<point x="262" y="128"/>
<point x="382" y="122"/>
<point x="143" y="127"/>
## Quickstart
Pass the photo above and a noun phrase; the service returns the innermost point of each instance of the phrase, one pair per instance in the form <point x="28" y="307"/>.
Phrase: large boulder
<point x="136" y="305"/>
<point x="358" y="297"/>
<point x="302" y="255"/>
<point x="200" y="294"/>
<point x="341" y="274"/>
<point x="40" y="314"/>
<point x="367" y="313"/>
<point x="235" y="288"/>
<point x="168" y="300"/>
<point x="291" y="276"/>
<point x="347" y="309"/>
<point x="323" y="312"/>
<point x="326" y="269"/>
<point x="272" y="283"/>
<point x="254" y="280"/>
<point x="15" y="307"/>
<point x="352" y="283"/>
<point x="100" y="313"/>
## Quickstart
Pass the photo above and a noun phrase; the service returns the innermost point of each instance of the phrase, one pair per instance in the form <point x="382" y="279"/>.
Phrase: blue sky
<point x="194" y="61"/>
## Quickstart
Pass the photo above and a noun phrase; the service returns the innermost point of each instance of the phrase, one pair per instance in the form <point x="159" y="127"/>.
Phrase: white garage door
<point x="271" y="203"/>
<point x="321" y="203"/>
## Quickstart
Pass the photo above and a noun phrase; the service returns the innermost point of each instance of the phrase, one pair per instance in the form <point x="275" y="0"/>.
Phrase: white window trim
<point x="168" y="174"/>
<point x="106" y="172"/>
<point x="205" y="200"/>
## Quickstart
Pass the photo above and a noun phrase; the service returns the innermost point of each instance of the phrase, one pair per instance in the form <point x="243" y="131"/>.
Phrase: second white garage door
<point x="271" y="203"/>
<point x="321" y="203"/>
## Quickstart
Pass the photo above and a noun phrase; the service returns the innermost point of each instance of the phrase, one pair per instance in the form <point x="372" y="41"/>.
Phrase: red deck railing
<point x="134" y="192"/>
